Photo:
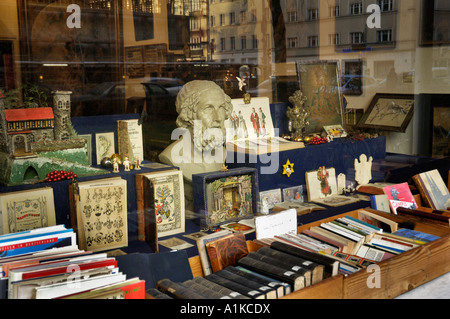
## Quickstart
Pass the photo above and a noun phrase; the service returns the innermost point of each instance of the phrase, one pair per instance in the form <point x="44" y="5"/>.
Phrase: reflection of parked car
<point x="160" y="96"/>
<point x="278" y="88"/>
<point x="354" y="84"/>
<point x="104" y="98"/>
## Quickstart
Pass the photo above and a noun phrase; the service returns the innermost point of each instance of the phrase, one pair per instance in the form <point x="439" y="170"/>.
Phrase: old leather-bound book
<point x="226" y="251"/>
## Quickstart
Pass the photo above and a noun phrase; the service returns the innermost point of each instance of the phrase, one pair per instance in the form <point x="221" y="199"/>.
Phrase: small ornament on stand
<point x="115" y="165"/>
<point x="297" y="115"/>
<point x="137" y="163"/>
<point x="242" y="84"/>
<point x="350" y="190"/>
<point x="126" y="164"/>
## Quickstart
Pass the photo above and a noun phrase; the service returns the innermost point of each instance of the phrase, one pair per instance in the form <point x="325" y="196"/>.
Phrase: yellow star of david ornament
<point x="288" y="168"/>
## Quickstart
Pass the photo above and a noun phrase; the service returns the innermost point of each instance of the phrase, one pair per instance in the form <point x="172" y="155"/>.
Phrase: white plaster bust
<point x="202" y="108"/>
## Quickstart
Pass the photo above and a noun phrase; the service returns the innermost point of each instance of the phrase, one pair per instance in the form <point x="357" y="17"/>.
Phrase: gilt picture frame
<point x="319" y="81"/>
<point x="388" y="112"/>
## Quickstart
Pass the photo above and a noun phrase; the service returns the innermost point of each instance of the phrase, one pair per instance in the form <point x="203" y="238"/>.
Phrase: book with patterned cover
<point x="226" y="251"/>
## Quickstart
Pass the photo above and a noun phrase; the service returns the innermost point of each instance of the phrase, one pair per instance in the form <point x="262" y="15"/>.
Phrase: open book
<point x="250" y="129"/>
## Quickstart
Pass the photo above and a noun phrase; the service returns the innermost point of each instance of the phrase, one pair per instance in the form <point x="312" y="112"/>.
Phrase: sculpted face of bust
<point x="206" y="102"/>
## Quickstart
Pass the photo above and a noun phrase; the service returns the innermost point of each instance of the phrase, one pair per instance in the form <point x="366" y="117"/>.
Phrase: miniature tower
<point x="4" y="141"/>
<point x="61" y="111"/>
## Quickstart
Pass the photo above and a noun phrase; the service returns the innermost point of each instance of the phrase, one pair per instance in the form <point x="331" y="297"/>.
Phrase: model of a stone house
<point x="21" y="127"/>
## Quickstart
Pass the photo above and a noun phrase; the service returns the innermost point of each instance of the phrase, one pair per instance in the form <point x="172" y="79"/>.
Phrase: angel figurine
<point x="297" y="115"/>
<point x="242" y="84"/>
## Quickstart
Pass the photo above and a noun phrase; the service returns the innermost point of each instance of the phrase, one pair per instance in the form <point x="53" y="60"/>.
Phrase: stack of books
<point x="293" y="261"/>
<point x="355" y="243"/>
<point x="46" y="263"/>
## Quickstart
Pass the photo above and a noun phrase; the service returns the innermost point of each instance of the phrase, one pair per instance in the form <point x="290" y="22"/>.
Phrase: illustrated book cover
<point x="250" y="129"/>
<point x="433" y="190"/>
<point x="380" y="202"/>
<point x="321" y="186"/>
<point x="129" y="140"/>
<point x="400" y="195"/>
<point x="223" y="197"/>
<point x="101" y="214"/>
<point x="161" y="203"/>
<point x="26" y="210"/>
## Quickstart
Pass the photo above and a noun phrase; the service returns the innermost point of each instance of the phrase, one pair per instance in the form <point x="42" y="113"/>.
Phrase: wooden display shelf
<point x="398" y="274"/>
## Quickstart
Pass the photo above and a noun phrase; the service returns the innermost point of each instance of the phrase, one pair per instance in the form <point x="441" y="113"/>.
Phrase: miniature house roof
<point x="27" y="114"/>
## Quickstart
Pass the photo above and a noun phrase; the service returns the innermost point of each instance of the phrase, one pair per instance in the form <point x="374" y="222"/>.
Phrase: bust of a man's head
<point x="203" y="102"/>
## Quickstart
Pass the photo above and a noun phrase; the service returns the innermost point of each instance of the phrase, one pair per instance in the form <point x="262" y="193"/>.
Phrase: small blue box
<point x="224" y="196"/>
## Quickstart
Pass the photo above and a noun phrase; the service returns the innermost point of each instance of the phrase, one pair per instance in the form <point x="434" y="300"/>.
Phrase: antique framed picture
<point x="319" y="82"/>
<point x="270" y="197"/>
<point x="293" y="194"/>
<point x="222" y="197"/>
<point x="391" y="112"/>
<point x="104" y="145"/>
<point x="441" y="131"/>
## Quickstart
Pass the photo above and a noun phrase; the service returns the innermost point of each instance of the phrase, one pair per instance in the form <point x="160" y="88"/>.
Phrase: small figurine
<point x="349" y="190"/>
<point x="137" y="163"/>
<point x="115" y="165"/>
<point x="242" y="84"/>
<point x="126" y="164"/>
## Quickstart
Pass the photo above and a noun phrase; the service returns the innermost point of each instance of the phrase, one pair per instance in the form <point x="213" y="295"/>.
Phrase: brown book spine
<point x="216" y="263"/>
<point x="140" y="207"/>
<point x="430" y="217"/>
<point x="423" y="193"/>
<point x="149" y="216"/>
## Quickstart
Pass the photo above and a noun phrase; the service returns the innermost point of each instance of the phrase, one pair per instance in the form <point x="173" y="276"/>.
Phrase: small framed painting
<point x="391" y="112"/>
<point x="104" y="145"/>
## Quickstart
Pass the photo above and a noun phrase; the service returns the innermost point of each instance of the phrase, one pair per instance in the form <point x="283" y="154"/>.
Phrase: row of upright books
<point x="355" y="242"/>
<point x="46" y="263"/>
<point x="289" y="262"/>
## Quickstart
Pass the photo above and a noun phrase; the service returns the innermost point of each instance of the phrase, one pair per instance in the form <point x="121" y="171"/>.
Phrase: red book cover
<point x="400" y="195"/>
<point x="134" y="290"/>
<point x="67" y="268"/>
